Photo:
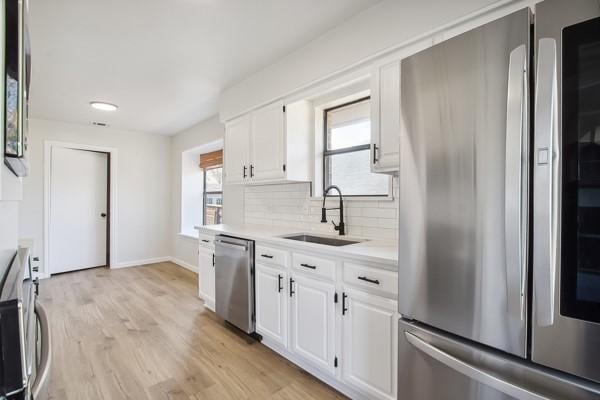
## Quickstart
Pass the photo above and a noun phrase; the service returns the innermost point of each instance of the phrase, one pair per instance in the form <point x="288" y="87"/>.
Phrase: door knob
<point x="103" y="215"/>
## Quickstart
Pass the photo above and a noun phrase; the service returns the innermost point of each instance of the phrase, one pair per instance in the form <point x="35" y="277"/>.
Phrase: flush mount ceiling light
<point x="101" y="105"/>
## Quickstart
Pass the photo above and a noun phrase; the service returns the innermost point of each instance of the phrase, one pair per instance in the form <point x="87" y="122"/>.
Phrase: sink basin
<point x="328" y="241"/>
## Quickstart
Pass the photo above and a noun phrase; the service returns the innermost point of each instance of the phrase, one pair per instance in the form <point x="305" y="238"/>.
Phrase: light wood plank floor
<point x="143" y="333"/>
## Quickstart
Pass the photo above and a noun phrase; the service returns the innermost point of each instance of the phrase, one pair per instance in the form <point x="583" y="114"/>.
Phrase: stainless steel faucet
<point x="341" y="227"/>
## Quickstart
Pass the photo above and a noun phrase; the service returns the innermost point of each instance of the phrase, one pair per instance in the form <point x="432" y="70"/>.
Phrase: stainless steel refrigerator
<point x="499" y="245"/>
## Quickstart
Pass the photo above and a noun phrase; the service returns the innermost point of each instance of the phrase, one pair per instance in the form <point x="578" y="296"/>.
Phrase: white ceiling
<point x="163" y="62"/>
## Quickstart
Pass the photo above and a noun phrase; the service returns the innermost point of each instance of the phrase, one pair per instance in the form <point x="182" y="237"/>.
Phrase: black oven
<point x="24" y="333"/>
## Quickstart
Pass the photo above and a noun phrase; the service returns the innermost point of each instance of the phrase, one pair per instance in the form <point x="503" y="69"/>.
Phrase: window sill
<point x="189" y="235"/>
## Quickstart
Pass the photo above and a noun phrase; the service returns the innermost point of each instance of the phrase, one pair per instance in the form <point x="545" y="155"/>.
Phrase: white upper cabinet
<point x="237" y="149"/>
<point x="385" y="118"/>
<point x="270" y="145"/>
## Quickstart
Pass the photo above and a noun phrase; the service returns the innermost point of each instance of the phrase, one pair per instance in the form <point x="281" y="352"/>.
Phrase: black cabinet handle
<point x="291" y="287"/>
<point x="213" y="259"/>
<point x="344" y="309"/>
<point x="103" y="215"/>
<point x="244" y="171"/>
<point x="375" y="154"/>
<point x="205" y="241"/>
<point x="36" y="282"/>
<point x="364" y="278"/>
<point x="266" y="256"/>
<point x="308" y="266"/>
<point x="279" y="279"/>
<point x="251" y="171"/>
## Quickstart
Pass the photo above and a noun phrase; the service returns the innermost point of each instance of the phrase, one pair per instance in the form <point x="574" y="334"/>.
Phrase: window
<point x="213" y="196"/>
<point x="346" y="155"/>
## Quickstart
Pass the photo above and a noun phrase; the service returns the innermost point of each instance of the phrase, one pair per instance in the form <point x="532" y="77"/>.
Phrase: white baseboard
<point x="186" y="265"/>
<point x="136" y="263"/>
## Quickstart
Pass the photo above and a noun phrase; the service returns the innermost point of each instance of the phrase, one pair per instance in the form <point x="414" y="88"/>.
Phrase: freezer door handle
<point x="515" y="200"/>
<point x="545" y="185"/>
<point x="472" y="372"/>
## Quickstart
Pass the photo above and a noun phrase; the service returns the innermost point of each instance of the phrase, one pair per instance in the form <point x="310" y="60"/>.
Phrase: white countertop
<point x="381" y="251"/>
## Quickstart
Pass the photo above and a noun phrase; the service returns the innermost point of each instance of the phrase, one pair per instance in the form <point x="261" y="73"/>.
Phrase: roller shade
<point x="211" y="160"/>
<point x="349" y="115"/>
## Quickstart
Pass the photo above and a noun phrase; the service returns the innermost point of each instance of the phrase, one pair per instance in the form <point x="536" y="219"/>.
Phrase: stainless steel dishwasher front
<point x="234" y="281"/>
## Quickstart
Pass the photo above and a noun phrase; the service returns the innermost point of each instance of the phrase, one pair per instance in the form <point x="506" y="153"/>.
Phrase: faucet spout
<point x="341" y="226"/>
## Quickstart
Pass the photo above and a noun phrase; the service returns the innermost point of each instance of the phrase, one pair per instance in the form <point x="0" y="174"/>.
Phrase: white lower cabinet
<point x="206" y="276"/>
<point x="313" y="321"/>
<point x="271" y="303"/>
<point x="369" y="355"/>
<point x="329" y="321"/>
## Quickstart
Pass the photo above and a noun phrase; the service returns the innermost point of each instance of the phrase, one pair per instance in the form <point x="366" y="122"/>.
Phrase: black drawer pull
<point x="266" y="256"/>
<point x="213" y="259"/>
<point x="344" y="308"/>
<point x="279" y="279"/>
<point x="364" y="278"/>
<point x="291" y="287"/>
<point x="308" y="266"/>
<point x="206" y="241"/>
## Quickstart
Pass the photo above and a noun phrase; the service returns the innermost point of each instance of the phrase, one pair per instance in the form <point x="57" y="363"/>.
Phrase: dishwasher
<point x="234" y="281"/>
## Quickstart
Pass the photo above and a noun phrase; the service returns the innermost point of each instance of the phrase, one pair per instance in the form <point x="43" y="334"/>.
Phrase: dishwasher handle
<point x="231" y="245"/>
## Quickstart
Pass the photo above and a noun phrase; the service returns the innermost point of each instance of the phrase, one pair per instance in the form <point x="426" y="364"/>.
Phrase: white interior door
<point x="78" y="209"/>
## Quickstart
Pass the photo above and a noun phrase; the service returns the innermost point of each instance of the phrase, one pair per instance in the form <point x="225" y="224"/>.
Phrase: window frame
<point x="205" y="192"/>
<point x="351" y="149"/>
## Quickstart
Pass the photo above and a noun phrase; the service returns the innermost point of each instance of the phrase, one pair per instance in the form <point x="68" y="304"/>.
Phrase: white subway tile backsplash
<point x="291" y="205"/>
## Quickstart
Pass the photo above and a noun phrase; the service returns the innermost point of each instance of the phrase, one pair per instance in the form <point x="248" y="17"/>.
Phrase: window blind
<point x="211" y="160"/>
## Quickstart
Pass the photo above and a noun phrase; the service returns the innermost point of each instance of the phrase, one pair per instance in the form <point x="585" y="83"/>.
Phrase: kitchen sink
<point x="328" y="241"/>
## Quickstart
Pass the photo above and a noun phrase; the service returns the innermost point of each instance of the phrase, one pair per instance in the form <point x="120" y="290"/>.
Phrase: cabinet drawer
<point x="314" y="265"/>
<point x="376" y="279"/>
<point x="207" y="241"/>
<point x="270" y="255"/>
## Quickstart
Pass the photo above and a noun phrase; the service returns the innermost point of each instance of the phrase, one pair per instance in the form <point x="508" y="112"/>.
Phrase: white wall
<point x="9" y="231"/>
<point x="185" y="247"/>
<point x="376" y="32"/>
<point x="143" y="184"/>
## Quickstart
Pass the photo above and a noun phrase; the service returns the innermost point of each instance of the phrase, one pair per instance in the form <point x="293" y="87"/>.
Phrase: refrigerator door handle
<point x="545" y="186"/>
<point x="515" y="200"/>
<point x="472" y="372"/>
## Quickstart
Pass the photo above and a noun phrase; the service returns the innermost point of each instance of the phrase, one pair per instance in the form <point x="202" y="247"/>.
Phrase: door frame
<point x="111" y="204"/>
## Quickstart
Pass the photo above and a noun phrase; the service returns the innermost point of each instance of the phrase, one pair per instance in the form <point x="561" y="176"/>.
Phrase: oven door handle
<point x="545" y="183"/>
<point x="231" y="245"/>
<point x="41" y="378"/>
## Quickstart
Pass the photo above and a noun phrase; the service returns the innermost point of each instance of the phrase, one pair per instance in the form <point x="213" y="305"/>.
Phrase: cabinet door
<point x="313" y="321"/>
<point x="385" y="118"/>
<point x="237" y="150"/>
<point x="268" y="143"/>
<point x="206" y="277"/>
<point x="369" y="344"/>
<point x="271" y="303"/>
